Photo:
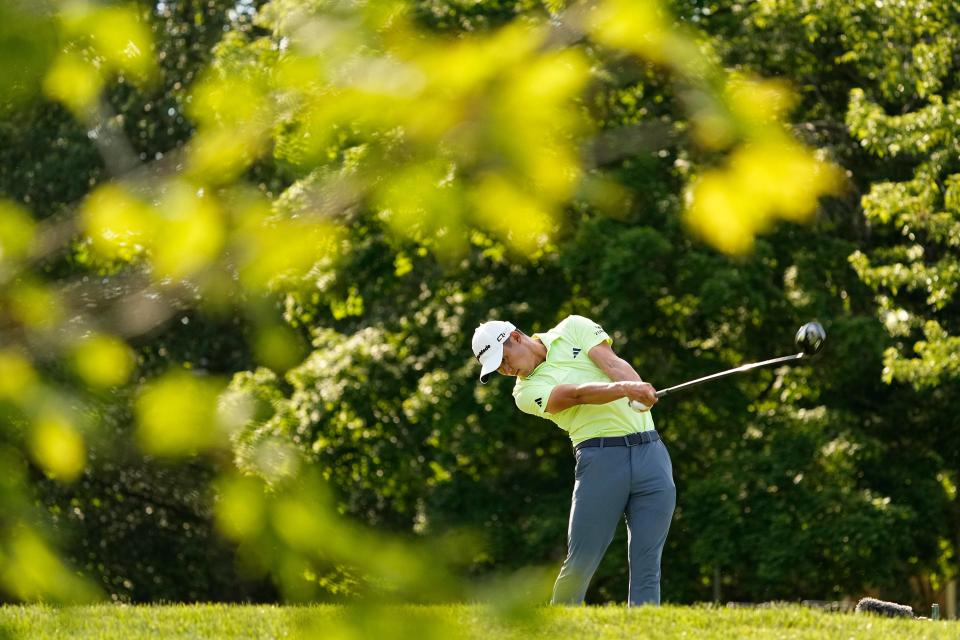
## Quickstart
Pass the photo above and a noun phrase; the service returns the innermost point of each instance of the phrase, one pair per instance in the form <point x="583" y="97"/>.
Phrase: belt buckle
<point x="626" y="441"/>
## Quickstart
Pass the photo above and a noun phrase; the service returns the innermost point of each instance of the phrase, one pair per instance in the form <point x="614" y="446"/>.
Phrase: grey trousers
<point x="635" y="482"/>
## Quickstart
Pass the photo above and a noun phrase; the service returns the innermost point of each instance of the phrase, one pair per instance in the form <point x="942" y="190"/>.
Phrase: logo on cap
<point x="483" y="351"/>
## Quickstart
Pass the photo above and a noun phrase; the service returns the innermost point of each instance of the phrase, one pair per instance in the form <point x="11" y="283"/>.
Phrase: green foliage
<point x="916" y="278"/>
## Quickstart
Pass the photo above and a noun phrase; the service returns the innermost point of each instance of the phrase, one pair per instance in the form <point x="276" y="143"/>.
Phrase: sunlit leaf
<point x="17" y="377"/>
<point x="231" y="101"/>
<point x="240" y="507"/>
<point x="119" y="224"/>
<point x="278" y="347"/>
<point x="537" y="122"/>
<point x="177" y="415"/>
<point x="774" y="178"/>
<point x="784" y="175"/>
<point x="640" y="26"/>
<point x="220" y="155"/>
<point x="191" y="231"/>
<point x="298" y="523"/>
<point x="759" y="101"/>
<point x="16" y="232"/>
<point x="116" y="32"/>
<point x="57" y="446"/>
<point x="419" y="200"/>
<point x="269" y="249"/>
<point x="103" y="361"/>
<point x="74" y="82"/>
<point x="32" y="571"/>
<point x="35" y="304"/>
<point x="516" y="217"/>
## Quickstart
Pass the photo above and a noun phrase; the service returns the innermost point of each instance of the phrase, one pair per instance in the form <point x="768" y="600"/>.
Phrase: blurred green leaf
<point x="177" y="415"/>
<point x="103" y="361"/>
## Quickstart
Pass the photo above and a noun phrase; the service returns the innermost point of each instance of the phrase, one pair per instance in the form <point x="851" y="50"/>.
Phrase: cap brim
<point x="491" y="363"/>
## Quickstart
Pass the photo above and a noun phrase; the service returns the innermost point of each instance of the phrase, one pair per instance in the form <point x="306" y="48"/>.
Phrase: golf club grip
<point x="639" y="407"/>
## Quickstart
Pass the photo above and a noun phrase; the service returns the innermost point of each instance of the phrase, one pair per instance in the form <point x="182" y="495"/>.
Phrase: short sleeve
<point x="585" y="333"/>
<point x="532" y="397"/>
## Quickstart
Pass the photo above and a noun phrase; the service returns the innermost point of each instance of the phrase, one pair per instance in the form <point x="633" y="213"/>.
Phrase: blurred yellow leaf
<point x="103" y="361"/>
<point x="276" y="248"/>
<point x="240" y="507"/>
<point x="57" y="447"/>
<point x="299" y="523"/>
<point x="123" y="42"/>
<point x="35" y="305"/>
<point x="758" y="101"/>
<point x="17" y="376"/>
<point x="773" y="178"/>
<point x="278" y="347"/>
<point x="421" y="199"/>
<point x="230" y="101"/>
<point x="218" y="156"/>
<point x="640" y="26"/>
<point x="786" y="175"/>
<point x="517" y="217"/>
<point x="32" y="571"/>
<point x="74" y="82"/>
<point x="16" y="232"/>
<point x="177" y="415"/>
<point x="299" y="72"/>
<point x="191" y="233"/>
<point x="536" y="122"/>
<point x="119" y="224"/>
<point x="725" y="218"/>
<point x="462" y="66"/>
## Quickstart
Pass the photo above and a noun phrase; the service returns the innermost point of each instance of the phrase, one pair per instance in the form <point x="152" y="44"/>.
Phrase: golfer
<point x="571" y="376"/>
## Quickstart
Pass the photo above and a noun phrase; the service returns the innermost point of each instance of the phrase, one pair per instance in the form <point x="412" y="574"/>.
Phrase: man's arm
<point x="565" y="396"/>
<point x="611" y="364"/>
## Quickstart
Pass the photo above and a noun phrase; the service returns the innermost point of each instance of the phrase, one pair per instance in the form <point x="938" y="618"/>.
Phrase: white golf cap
<point x="488" y="342"/>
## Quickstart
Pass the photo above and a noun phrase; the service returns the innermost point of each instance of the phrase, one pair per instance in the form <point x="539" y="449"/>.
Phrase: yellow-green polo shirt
<point x="568" y="362"/>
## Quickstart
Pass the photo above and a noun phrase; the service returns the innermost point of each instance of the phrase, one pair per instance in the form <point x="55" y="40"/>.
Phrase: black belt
<point x="631" y="440"/>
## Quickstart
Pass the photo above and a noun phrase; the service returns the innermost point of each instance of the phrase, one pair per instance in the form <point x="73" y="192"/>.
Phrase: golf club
<point x="809" y="340"/>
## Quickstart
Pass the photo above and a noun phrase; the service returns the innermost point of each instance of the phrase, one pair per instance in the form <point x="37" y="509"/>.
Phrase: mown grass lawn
<point x="458" y="621"/>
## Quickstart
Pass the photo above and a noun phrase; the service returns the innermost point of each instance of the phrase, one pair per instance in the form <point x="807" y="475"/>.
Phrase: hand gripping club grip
<point x="639" y="407"/>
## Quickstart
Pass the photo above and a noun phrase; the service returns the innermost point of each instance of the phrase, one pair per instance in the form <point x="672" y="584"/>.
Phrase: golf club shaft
<point x="728" y="372"/>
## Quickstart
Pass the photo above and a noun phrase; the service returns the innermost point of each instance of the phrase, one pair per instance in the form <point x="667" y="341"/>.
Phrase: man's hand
<point x="640" y="391"/>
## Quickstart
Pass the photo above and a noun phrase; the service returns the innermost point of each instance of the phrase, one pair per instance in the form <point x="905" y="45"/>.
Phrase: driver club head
<point x="810" y="338"/>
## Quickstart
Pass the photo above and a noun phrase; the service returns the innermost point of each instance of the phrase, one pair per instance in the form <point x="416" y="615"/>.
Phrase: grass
<point x="450" y="622"/>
